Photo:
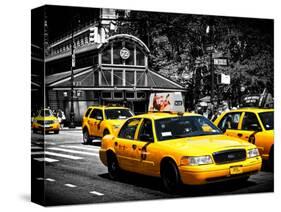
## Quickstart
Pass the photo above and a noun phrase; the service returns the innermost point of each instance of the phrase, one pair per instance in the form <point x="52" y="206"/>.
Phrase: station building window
<point x="130" y="95"/>
<point x="141" y="78"/>
<point x="141" y="95"/>
<point x="118" y="77"/>
<point x="117" y="46"/>
<point x="130" y="60"/>
<point x="106" y="77"/>
<point x="139" y="57"/>
<point x="118" y="95"/>
<point x="130" y="77"/>
<point x="106" y="95"/>
<point x="112" y="52"/>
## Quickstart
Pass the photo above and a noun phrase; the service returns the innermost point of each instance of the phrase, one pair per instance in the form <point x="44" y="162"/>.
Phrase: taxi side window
<point x="88" y="112"/>
<point x="129" y="129"/>
<point x="96" y="114"/>
<point x="250" y="122"/>
<point x="230" y="121"/>
<point x="146" y="132"/>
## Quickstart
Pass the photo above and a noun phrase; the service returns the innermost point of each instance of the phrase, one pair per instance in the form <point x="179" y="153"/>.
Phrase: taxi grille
<point x="45" y="122"/>
<point x="229" y="156"/>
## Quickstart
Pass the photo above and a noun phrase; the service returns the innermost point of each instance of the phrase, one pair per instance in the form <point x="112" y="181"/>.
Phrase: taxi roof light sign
<point x="166" y="102"/>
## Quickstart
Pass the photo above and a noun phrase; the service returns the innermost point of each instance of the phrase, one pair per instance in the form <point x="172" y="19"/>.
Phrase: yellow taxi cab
<point x="179" y="148"/>
<point x="251" y="124"/>
<point x="45" y="121"/>
<point x="102" y="120"/>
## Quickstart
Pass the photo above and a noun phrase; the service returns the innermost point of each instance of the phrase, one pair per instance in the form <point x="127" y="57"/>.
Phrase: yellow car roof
<point x="161" y="115"/>
<point x="251" y="109"/>
<point x="108" y="107"/>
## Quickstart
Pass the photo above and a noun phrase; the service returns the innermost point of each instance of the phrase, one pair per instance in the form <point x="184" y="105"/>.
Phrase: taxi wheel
<point x="34" y="131"/>
<point x="56" y="131"/>
<point x="86" y="138"/>
<point x="113" y="167"/>
<point x="170" y="176"/>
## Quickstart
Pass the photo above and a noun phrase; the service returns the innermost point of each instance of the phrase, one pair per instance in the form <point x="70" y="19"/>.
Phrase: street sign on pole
<point x="225" y="79"/>
<point x="221" y="61"/>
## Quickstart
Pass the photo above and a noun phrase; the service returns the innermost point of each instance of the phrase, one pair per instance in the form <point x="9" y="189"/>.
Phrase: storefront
<point x="115" y="72"/>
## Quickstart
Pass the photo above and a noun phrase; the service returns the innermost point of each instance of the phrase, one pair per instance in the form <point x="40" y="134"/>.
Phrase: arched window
<point x="122" y="52"/>
<point x="139" y="57"/>
<point x="117" y="46"/>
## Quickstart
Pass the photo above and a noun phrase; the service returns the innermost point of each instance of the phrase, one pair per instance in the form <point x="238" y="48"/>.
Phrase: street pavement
<point x="72" y="173"/>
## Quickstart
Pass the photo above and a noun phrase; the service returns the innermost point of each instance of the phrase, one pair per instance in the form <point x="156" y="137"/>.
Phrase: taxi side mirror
<point x="146" y="137"/>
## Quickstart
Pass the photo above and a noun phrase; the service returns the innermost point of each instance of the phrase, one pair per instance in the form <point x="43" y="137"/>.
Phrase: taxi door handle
<point x="116" y="143"/>
<point x="134" y="146"/>
<point x="239" y="134"/>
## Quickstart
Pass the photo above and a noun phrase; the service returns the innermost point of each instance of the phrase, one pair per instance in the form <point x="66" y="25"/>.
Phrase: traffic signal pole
<point x="212" y="77"/>
<point x="72" y="114"/>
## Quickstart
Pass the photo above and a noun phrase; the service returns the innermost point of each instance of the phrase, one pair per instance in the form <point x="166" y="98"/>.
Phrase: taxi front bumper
<point x="204" y="174"/>
<point x="46" y="128"/>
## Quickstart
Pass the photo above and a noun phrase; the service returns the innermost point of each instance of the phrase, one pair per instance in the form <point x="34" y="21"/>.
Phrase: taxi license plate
<point x="47" y="125"/>
<point x="236" y="170"/>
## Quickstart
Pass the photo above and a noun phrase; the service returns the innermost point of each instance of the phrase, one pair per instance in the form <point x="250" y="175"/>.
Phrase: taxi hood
<point x="46" y="118"/>
<point x="208" y="144"/>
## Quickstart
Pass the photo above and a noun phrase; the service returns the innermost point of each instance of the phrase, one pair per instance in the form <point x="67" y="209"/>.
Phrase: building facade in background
<point x="101" y="67"/>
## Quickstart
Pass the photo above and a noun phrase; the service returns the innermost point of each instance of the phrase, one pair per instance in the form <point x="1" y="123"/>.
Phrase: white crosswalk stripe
<point x="57" y="154"/>
<point x="50" y="180"/>
<point x="96" y="193"/>
<point x="70" y="185"/>
<point x="49" y="160"/>
<point x="73" y="151"/>
<point x="95" y="149"/>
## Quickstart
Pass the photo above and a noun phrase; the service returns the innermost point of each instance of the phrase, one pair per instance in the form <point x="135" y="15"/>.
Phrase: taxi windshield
<point x="267" y="120"/>
<point x="45" y="113"/>
<point x="117" y="114"/>
<point x="184" y="126"/>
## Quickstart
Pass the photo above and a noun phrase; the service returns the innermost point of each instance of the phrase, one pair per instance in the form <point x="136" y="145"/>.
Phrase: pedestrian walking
<point x="61" y="118"/>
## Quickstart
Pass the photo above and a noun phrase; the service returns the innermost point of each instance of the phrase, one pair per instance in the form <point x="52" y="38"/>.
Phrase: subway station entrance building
<point x="113" y="72"/>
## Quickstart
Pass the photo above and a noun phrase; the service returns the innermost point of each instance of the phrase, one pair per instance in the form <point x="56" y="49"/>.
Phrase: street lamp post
<point x="242" y="46"/>
<point x="209" y="31"/>
<point x="72" y="114"/>
<point x="212" y="77"/>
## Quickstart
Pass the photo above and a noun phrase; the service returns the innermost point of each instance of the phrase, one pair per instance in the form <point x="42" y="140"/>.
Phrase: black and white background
<point x="15" y="103"/>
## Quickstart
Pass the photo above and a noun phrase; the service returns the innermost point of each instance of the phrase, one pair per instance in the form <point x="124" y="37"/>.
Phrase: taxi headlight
<point x="196" y="160"/>
<point x="253" y="153"/>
